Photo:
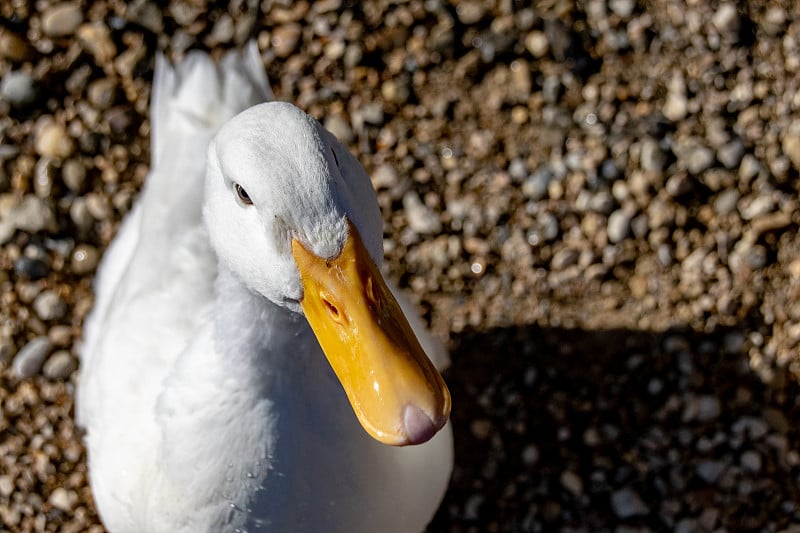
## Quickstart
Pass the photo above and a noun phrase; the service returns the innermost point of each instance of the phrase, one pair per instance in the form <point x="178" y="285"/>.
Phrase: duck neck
<point x="219" y="406"/>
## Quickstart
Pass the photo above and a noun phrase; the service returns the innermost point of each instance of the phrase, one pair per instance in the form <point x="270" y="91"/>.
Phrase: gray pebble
<point x="751" y="461"/>
<point x="726" y="20"/>
<point x="701" y="408"/>
<point x="421" y="219"/>
<point x="535" y="187"/>
<point x="726" y="201"/>
<point x="619" y="225"/>
<point x="709" y="470"/>
<point x="697" y="159"/>
<point x="627" y="503"/>
<point x="29" y="359"/>
<point x="384" y="177"/>
<point x="761" y="205"/>
<point x="31" y="268"/>
<point x="18" y="88"/>
<point x="754" y="428"/>
<point x="623" y="8"/>
<point x="652" y="157"/>
<point x="60" y="365"/>
<point x="337" y="125"/>
<point x="731" y="154"/>
<point x="49" y="305"/>
<point x="61" y="20"/>
<point x="63" y="499"/>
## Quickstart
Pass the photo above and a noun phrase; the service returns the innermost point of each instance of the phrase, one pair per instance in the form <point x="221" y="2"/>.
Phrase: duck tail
<point x="199" y="94"/>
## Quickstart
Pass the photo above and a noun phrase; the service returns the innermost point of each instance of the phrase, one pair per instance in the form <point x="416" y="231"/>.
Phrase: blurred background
<point x="595" y="204"/>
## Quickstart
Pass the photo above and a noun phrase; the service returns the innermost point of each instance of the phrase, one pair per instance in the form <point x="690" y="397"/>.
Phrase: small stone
<point x="384" y="177"/>
<point x="537" y="44"/>
<point x="627" y="503"/>
<point x="102" y="92"/>
<point x="623" y="8"/>
<point x="340" y="128"/>
<point x="61" y="20"/>
<point x="701" y="408"/>
<point x="698" y="159"/>
<point x="679" y="185"/>
<point x="530" y="455"/>
<point x="564" y="258"/>
<point x="676" y="107"/>
<point x="18" y="88"/>
<point x="29" y="359"/>
<point x="619" y="225"/>
<point x="761" y="205"/>
<point x="481" y="428"/>
<point x="49" y="305"/>
<point x="73" y="173"/>
<point x="84" y="259"/>
<point x="791" y="146"/>
<point x="471" y="11"/>
<point x="52" y="140"/>
<point x="63" y="499"/>
<point x="95" y="38"/>
<point x="395" y="91"/>
<point x="31" y="268"/>
<point x="726" y="201"/>
<point x="32" y="214"/>
<point x="6" y="486"/>
<point x="652" y="157"/>
<point x="285" y="39"/>
<point x="60" y="365"/>
<point x="147" y="14"/>
<point x="726" y="20"/>
<point x="751" y="426"/>
<point x="731" y="154"/>
<point x="751" y="461"/>
<point x="709" y="470"/>
<point x="421" y="219"/>
<point x="572" y="482"/>
<point x="14" y="47"/>
<point x="535" y="187"/>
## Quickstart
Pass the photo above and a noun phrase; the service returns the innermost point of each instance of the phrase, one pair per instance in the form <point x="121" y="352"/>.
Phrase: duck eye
<point x="242" y="194"/>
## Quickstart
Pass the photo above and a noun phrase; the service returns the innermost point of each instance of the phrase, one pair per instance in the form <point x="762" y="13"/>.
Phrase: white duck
<point x="207" y="401"/>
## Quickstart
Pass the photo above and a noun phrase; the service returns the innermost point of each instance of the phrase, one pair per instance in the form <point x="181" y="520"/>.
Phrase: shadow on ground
<point x="565" y="429"/>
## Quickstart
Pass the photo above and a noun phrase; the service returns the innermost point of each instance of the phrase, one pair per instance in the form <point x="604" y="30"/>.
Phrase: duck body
<point x="207" y="400"/>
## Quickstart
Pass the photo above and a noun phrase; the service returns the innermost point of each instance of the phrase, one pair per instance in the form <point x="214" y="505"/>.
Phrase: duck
<point x="247" y="366"/>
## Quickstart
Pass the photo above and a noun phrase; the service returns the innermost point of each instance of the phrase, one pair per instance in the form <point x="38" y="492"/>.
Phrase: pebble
<point x="31" y="268"/>
<point x="95" y="38"/>
<point x="709" y="470"/>
<point x="18" y="88"/>
<point x="731" y="154"/>
<point x="698" y="159"/>
<point x="627" y="503"/>
<point x="751" y="461"/>
<point x="701" y="408"/>
<point x="726" y="20"/>
<point x="285" y="39"/>
<point x="537" y="44"/>
<point x="52" y="140"/>
<point x="14" y="47"/>
<point x="340" y="128"/>
<point x="421" y="219"/>
<point x="29" y="359"/>
<point x="49" y="305"/>
<point x="73" y="173"/>
<point x="61" y="20"/>
<point x="619" y="225"/>
<point x="33" y="214"/>
<point x="102" y="92"/>
<point x="572" y="482"/>
<point x="84" y="259"/>
<point x="63" y="499"/>
<point x="60" y="365"/>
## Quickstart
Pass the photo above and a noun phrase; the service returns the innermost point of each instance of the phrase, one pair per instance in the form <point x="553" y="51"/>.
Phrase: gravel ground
<point x="595" y="203"/>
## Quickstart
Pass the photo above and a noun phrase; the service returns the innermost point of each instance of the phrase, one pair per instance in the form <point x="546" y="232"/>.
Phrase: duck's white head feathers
<point x="303" y="184"/>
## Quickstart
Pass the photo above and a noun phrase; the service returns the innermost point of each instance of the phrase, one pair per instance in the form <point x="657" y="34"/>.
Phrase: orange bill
<point x="397" y="394"/>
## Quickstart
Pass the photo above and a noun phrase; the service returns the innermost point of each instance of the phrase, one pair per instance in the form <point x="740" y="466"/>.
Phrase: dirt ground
<point x="595" y="204"/>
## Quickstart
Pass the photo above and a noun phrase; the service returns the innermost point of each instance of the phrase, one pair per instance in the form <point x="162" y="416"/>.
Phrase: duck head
<point x="293" y="214"/>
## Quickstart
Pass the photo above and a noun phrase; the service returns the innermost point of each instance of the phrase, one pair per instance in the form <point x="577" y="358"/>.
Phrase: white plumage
<point x="207" y="401"/>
